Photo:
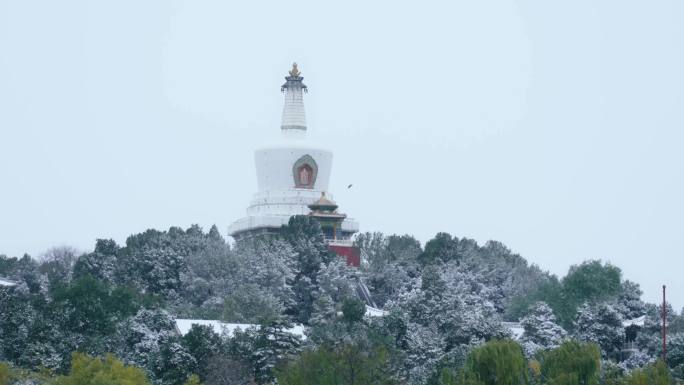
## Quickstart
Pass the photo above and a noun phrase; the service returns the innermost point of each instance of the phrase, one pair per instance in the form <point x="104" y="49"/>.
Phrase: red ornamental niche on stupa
<point x="304" y="172"/>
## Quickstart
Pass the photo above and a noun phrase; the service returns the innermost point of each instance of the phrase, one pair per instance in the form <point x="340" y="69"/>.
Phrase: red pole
<point x="664" y="329"/>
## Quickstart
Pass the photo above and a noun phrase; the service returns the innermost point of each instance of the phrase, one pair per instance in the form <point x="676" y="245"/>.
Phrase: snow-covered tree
<point x="323" y="319"/>
<point x="268" y="263"/>
<point x="30" y="332"/>
<point x="390" y="263"/>
<point x="139" y="340"/>
<point x="101" y="263"/>
<point x="637" y="359"/>
<point x="648" y="338"/>
<point x="172" y="364"/>
<point x="203" y="344"/>
<point x="541" y="330"/>
<point x="629" y="302"/>
<point x="306" y="238"/>
<point x="425" y="348"/>
<point x="304" y="235"/>
<point x="675" y="349"/>
<point x="250" y="303"/>
<point x="273" y="345"/>
<point x="448" y="310"/>
<point x="157" y="270"/>
<point x="337" y="280"/>
<point x="16" y="318"/>
<point x="601" y="324"/>
<point x="23" y="270"/>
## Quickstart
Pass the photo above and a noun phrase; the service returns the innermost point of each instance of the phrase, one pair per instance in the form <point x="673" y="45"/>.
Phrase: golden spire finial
<point x="294" y="71"/>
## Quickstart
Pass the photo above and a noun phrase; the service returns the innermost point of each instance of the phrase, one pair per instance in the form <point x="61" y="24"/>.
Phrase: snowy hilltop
<point x="186" y="307"/>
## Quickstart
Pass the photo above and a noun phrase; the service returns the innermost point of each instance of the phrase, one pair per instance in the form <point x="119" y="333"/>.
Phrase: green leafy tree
<point x="353" y="310"/>
<point x="548" y="291"/>
<point x="655" y="374"/>
<point x="193" y="380"/>
<point x="5" y="374"/>
<point x="440" y="249"/>
<point x="18" y="376"/>
<point x="496" y="363"/>
<point x="81" y="316"/>
<point x="92" y="308"/>
<point x="591" y="281"/>
<point x="349" y="364"/>
<point x="572" y="363"/>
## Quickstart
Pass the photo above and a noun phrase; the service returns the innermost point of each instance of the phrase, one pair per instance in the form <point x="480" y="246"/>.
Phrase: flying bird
<point x="348" y="187"/>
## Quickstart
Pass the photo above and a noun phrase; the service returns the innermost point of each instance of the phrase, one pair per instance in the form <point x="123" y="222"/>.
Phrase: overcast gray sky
<point x="554" y="127"/>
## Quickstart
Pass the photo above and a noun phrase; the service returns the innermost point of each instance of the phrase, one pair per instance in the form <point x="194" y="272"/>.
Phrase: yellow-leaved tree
<point x="87" y="370"/>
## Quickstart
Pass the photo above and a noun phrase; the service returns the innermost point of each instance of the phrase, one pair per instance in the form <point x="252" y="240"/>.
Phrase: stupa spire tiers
<point x="293" y="122"/>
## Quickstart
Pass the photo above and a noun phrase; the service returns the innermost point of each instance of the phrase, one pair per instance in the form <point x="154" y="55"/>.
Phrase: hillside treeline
<point x="447" y="304"/>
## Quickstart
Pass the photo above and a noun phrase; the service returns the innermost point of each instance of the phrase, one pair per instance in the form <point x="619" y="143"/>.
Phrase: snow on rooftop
<point x="515" y="328"/>
<point x="183" y="326"/>
<point x="639" y="321"/>
<point x="375" y="312"/>
<point x="298" y="330"/>
<point x="7" y="282"/>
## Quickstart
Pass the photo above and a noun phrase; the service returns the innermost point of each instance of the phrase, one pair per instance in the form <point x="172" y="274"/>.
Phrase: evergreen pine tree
<point x="541" y="330"/>
<point x="274" y="345"/>
<point x="601" y="324"/>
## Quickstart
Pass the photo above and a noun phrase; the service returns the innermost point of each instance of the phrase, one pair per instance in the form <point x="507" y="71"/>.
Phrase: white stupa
<point x="291" y="176"/>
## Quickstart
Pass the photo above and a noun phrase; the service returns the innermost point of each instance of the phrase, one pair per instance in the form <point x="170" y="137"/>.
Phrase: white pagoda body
<point x="291" y="176"/>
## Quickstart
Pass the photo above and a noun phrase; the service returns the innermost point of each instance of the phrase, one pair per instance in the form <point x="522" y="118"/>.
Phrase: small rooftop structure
<point x="323" y="204"/>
